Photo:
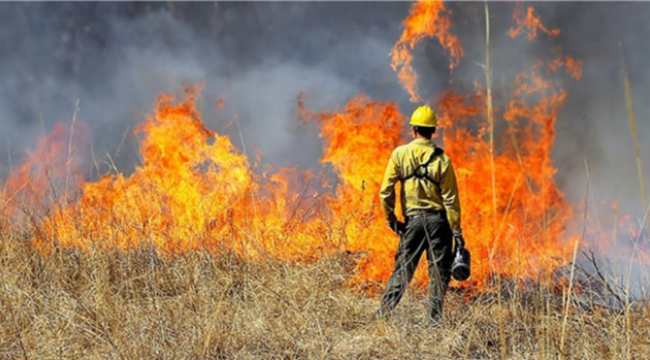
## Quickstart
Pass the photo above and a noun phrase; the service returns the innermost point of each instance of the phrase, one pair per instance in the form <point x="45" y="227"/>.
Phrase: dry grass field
<point x="94" y="305"/>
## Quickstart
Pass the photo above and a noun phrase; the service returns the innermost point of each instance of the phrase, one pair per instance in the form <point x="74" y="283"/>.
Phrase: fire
<point x="48" y="174"/>
<point x="528" y="240"/>
<point x="573" y="66"/>
<point x="358" y="140"/>
<point x="427" y="19"/>
<point x="528" y="21"/>
<point x="195" y="191"/>
<point x="190" y="179"/>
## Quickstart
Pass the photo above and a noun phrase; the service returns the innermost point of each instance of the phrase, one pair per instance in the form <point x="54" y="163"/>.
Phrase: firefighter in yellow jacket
<point x="431" y="209"/>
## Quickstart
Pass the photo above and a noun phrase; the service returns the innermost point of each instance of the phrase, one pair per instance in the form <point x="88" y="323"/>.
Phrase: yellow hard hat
<point x="424" y="116"/>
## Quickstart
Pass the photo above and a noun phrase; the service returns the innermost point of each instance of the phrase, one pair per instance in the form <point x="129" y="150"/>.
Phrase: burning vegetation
<point x="195" y="191"/>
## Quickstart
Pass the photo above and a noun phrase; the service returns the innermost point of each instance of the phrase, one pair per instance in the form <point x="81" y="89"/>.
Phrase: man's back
<point x="428" y="181"/>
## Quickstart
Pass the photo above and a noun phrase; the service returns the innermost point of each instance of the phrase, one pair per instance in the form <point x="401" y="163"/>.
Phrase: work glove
<point x="397" y="226"/>
<point x="460" y="241"/>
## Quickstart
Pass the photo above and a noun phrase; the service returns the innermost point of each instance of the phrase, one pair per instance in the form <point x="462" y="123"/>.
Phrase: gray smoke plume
<point x="117" y="57"/>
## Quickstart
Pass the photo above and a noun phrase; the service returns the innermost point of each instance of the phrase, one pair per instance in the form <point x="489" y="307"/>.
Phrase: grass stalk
<point x="628" y="320"/>
<point x="593" y="198"/>
<point x="568" y="300"/>
<point x="513" y="138"/>
<point x="615" y="228"/>
<point x="635" y="138"/>
<point x="490" y="116"/>
<point x="252" y="193"/>
<point x="70" y="150"/>
<point x="9" y="159"/>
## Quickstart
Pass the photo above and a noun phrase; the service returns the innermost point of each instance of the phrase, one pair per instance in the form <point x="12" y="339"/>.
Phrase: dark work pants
<point x="431" y="234"/>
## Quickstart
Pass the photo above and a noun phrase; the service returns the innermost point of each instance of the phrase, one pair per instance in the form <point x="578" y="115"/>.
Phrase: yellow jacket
<point x="420" y="193"/>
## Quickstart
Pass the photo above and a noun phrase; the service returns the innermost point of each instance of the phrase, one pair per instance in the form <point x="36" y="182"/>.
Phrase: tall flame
<point x="190" y="180"/>
<point x="531" y="211"/>
<point x="427" y="19"/>
<point x="529" y="22"/>
<point x="358" y="139"/>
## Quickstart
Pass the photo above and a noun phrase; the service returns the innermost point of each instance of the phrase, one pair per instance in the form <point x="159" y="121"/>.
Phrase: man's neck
<point x="422" y="137"/>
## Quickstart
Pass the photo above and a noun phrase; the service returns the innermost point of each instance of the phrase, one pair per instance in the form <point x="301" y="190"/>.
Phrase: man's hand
<point x="460" y="241"/>
<point x="397" y="226"/>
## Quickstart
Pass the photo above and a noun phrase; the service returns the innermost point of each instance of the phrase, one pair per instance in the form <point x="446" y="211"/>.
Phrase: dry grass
<point x="75" y="305"/>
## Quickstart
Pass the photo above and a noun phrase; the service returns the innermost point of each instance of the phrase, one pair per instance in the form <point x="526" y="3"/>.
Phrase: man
<point x="431" y="208"/>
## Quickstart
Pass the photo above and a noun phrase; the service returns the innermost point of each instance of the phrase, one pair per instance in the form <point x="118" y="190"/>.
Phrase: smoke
<point x="117" y="57"/>
<point x="593" y="125"/>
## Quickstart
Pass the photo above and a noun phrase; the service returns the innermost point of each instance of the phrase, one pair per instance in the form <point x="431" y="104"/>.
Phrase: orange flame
<point x="358" y="140"/>
<point x="48" y="174"/>
<point x="168" y="201"/>
<point x="528" y="22"/>
<point x="427" y="19"/>
<point x="573" y="66"/>
<point x="194" y="191"/>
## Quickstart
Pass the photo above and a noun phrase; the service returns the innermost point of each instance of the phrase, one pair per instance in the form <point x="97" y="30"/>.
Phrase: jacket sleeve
<point x="449" y="193"/>
<point x="387" y="191"/>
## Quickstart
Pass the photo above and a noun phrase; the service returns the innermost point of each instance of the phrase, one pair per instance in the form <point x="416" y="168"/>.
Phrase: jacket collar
<point x="425" y="142"/>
